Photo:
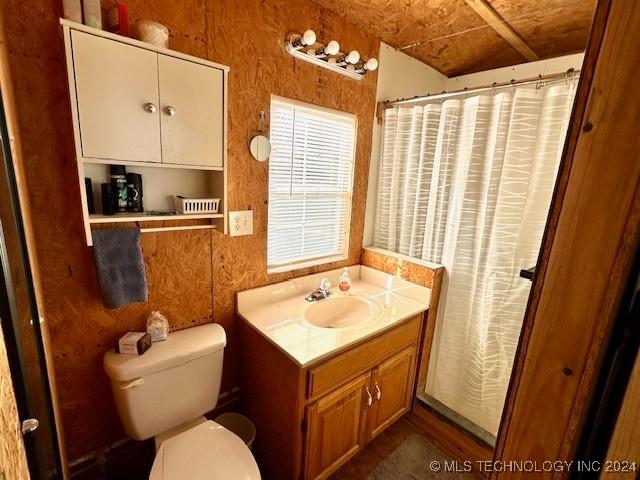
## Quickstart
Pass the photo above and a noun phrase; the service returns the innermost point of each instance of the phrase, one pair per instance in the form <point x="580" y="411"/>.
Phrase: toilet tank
<point x="174" y="382"/>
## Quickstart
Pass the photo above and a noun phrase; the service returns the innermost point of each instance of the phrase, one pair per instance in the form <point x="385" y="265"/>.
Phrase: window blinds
<point x="310" y="183"/>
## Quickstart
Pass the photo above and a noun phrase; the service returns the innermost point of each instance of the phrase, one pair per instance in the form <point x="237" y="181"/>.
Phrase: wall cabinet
<point x="313" y="419"/>
<point x="191" y="104"/>
<point x="114" y="124"/>
<point x="142" y="106"/>
<point x="136" y="105"/>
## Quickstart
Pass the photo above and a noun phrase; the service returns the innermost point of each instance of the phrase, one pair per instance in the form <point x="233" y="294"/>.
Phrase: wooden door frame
<point x="592" y="233"/>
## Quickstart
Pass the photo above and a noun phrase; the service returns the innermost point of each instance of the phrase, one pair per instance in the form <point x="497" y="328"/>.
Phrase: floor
<point x="132" y="460"/>
<point x="381" y="447"/>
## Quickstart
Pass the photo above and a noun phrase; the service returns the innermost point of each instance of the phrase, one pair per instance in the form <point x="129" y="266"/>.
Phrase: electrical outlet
<point x="241" y="223"/>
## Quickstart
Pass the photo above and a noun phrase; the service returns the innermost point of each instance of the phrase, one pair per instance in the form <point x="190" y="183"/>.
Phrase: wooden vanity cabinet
<point x="392" y="389"/>
<point x="311" y="420"/>
<point x="336" y="427"/>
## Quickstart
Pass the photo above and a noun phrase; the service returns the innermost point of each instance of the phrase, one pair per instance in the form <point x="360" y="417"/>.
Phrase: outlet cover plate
<point x="241" y="223"/>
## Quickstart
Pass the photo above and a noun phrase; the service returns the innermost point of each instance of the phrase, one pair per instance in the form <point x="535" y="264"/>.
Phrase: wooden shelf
<point x="102" y="161"/>
<point x="142" y="217"/>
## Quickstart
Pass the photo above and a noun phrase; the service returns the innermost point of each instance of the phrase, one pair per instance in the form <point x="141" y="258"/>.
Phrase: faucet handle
<point x="325" y="284"/>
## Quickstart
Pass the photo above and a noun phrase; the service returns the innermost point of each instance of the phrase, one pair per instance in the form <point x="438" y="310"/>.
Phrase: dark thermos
<point x="107" y="199"/>
<point x="89" y="189"/>
<point x="118" y="175"/>
<point x="134" y="192"/>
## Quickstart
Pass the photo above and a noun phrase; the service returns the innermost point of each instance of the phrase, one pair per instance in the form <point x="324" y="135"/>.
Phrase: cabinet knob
<point x="378" y="392"/>
<point x="171" y="111"/>
<point x="150" y="108"/>
<point x="369" y="397"/>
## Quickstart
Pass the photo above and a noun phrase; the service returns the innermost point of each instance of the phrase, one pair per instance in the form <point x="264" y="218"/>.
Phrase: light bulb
<point x="351" y="68"/>
<point x="309" y="37"/>
<point x="371" y="64"/>
<point x="332" y="48"/>
<point x="353" y="57"/>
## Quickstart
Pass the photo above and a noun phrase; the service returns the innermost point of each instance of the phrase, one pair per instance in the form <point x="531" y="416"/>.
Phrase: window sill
<point x="305" y="264"/>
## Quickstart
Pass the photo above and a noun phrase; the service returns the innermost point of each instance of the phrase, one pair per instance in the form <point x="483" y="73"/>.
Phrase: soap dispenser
<point x="344" y="282"/>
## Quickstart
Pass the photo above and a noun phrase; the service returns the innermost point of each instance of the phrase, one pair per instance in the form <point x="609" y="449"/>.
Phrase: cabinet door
<point x="391" y="387"/>
<point x="192" y="118"/>
<point x="336" y="428"/>
<point x="114" y="85"/>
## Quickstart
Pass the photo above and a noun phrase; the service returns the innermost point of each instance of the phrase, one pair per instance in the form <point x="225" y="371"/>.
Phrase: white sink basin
<point x="340" y="312"/>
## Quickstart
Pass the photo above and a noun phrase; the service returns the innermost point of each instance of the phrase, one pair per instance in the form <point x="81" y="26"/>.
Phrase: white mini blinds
<point x="310" y="184"/>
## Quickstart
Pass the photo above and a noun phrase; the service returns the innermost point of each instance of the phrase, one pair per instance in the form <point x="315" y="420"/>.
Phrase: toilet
<point x="165" y="393"/>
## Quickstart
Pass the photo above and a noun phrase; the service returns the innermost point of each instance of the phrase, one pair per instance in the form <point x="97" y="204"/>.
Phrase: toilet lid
<point x="207" y="451"/>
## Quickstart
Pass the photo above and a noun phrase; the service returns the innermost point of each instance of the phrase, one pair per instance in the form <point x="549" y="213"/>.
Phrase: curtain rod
<point x="539" y="79"/>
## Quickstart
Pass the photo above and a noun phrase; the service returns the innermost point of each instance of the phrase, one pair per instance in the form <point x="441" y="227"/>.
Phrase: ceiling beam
<point x="502" y="28"/>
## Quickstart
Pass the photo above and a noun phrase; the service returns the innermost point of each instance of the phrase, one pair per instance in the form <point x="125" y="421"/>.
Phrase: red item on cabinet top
<point x="118" y="20"/>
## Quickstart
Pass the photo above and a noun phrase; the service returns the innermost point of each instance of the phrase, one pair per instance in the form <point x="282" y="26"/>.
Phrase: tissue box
<point x="135" y="343"/>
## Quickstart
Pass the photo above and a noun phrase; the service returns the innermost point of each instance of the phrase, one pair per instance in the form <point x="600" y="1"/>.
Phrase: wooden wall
<point x="193" y="276"/>
<point x="592" y="235"/>
<point x="13" y="462"/>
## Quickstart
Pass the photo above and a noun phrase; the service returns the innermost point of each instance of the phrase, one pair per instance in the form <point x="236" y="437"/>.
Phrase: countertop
<point x="276" y="312"/>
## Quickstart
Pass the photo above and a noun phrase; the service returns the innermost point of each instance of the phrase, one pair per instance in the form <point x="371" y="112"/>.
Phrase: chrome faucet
<point x="323" y="291"/>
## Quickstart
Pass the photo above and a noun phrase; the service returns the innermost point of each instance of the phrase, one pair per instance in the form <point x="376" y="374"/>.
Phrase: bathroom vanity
<point x="321" y="379"/>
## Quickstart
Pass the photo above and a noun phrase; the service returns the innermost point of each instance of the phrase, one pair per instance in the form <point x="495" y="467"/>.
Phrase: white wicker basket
<point x="196" y="205"/>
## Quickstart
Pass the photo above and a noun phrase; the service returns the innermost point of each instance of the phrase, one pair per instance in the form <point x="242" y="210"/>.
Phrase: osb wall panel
<point x="405" y="269"/>
<point x="13" y="462"/>
<point x="451" y="37"/>
<point x="193" y="276"/>
<point x="18" y="272"/>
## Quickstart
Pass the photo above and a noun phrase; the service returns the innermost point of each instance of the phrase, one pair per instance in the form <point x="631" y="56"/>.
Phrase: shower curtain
<point x="467" y="183"/>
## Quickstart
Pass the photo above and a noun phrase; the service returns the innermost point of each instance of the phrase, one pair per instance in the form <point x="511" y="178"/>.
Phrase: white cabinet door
<point x="117" y="90"/>
<point x="192" y="112"/>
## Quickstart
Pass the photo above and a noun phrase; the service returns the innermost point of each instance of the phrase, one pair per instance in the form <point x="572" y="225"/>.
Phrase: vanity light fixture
<point x="306" y="47"/>
<point x="353" y="57"/>
<point x="331" y="48"/>
<point x="307" y="39"/>
<point x="368" y="66"/>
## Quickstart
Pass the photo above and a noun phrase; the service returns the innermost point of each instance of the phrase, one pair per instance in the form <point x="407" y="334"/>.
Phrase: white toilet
<point x="165" y="393"/>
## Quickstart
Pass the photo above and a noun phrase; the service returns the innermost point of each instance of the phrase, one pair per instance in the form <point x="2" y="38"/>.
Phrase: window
<point x="310" y="184"/>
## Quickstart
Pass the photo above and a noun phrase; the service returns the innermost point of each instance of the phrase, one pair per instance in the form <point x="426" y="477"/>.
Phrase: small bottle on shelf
<point x="344" y="282"/>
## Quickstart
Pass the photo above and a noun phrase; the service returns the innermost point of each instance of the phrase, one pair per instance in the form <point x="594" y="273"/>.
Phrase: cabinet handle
<point x="378" y="392"/>
<point x="150" y="108"/>
<point x="369" y="397"/>
<point x="171" y="111"/>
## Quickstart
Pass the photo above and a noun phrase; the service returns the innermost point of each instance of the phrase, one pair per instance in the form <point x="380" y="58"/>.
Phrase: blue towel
<point x="120" y="266"/>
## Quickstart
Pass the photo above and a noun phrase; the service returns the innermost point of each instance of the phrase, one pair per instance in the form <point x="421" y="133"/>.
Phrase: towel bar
<point x="183" y="227"/>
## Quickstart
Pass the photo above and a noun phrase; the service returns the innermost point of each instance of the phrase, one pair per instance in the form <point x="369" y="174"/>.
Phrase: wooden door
<point x="336" y="428"/>
<point x="391" y="387"/>
<point x="117" y="98"/>
<point x="192" y="112"/>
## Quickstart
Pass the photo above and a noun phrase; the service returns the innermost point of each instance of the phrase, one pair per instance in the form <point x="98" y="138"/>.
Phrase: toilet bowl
<point x="205" y="452"/>
<point x="164" y="393"/>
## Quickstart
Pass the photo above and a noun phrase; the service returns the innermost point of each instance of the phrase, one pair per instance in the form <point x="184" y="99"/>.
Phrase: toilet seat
<point x="207" y="451"/>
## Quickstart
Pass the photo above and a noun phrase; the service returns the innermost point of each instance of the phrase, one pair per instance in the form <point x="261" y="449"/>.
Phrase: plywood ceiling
<point x="453" y="38"/>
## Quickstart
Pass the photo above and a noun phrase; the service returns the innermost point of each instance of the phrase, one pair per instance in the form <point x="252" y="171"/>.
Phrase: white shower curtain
<point x="468" y="183"/>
